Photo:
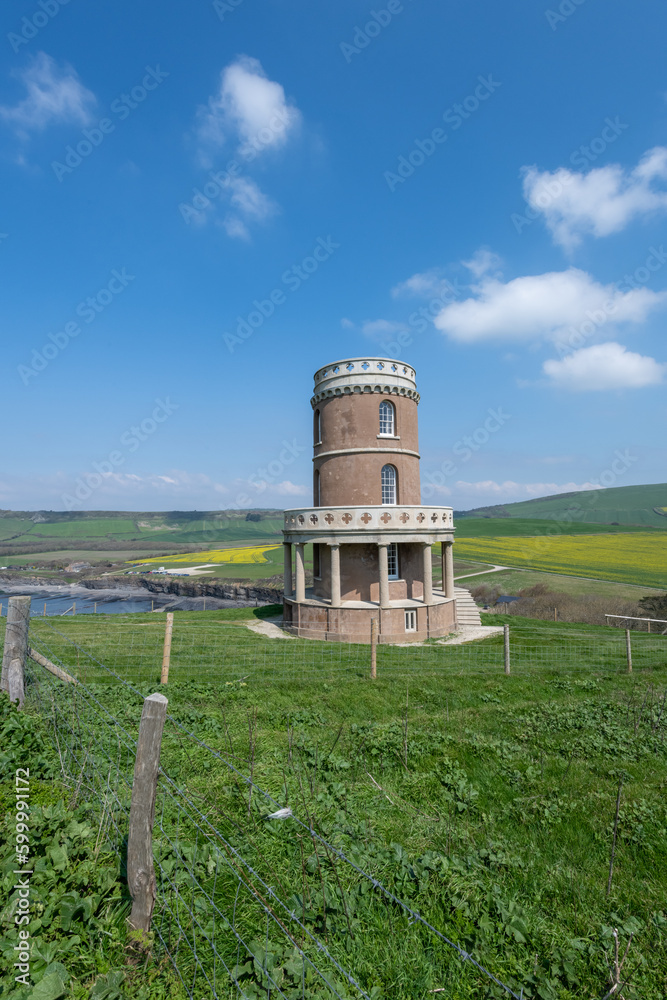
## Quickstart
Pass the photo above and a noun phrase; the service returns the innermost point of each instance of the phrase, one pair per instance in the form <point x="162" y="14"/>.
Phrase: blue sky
<point x="203" y="204"/>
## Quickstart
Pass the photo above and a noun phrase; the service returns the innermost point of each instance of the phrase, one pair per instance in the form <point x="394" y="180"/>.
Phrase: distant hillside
<point x="622" y="505"/>
<point x="101" y="534"/>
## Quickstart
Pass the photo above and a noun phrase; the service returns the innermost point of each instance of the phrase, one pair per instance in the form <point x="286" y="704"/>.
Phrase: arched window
<point x="387" y="418"/>
<point x="388" y="480"/>
<point x="317" y="427"/>
<point x="316" y="488"/>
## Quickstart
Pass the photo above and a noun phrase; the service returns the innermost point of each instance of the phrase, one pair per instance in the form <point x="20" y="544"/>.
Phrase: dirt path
<point x="482" y="572"/>
<point x="468" y="633"/>
<point x="268" y="628"/>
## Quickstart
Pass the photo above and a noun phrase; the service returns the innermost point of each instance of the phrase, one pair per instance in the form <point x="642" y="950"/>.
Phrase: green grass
<point x="629" y="505"/>
<point x="510" y="581"/>
<point x="97" y="528"/>
<point x="11" y="526"/>
<point x="499" y="527"/>
<point x="496" y="802"/>
<point x="75" y="555"/>
<point x="173" y="529"/>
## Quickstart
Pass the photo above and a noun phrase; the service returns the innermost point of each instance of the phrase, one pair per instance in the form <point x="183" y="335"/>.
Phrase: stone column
<point x="384" y="574"/>
<point x="335" y="575"/>
<point x="428" y="574"/>
<point x="300" y="572"/>
<point x="448" y="568"/>
<point x="287" y="570"/>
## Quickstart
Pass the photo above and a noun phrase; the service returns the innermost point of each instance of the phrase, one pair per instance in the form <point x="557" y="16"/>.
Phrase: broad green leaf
<point x="51" y="987"/>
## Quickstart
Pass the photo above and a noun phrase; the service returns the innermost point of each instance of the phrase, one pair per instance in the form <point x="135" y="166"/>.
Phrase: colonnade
<point x="296" y="588"/>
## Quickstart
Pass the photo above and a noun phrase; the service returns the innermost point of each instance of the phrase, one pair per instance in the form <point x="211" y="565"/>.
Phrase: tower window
<point x="392" y="561"/>
<point x="387" y="418"/>
<point x="316" y="488"/>
<point x="388" y="481"/>
<point x="317" y="427"/>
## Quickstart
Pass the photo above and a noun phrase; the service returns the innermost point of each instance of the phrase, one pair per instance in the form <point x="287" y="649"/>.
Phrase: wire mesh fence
<point x="227" y="916"/>
<point x="259" y="892"/>
<point x="237" y="652"/>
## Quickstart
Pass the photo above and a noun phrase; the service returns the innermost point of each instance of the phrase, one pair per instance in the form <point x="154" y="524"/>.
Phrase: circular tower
<point x="365" y="418"/>
<point x="371" y="537"/>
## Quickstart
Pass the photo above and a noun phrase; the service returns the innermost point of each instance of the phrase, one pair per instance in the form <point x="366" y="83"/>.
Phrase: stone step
<point x="467" y="612"/>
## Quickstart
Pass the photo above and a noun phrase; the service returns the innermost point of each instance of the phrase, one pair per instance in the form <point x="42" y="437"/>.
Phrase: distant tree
<point x="253" y="516"/>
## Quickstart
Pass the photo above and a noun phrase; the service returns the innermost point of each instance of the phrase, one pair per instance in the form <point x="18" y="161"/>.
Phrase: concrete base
<point x="314" y="618"/>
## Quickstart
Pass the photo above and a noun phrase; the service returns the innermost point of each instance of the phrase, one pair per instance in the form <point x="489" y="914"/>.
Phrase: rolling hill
<point x="641" y="506"/>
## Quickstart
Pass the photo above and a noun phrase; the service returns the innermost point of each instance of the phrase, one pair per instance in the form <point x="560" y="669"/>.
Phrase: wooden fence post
<point x="140" y="870"/>
<point x="166" y="654"/>
<point x="16" y="648"/>
<point x="374" y="648"/>
<point x="506" y="636"/>
<point x="628" y="649"/>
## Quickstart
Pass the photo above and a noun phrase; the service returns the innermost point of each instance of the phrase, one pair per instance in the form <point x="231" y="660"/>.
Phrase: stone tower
<point x="371" y="535"/>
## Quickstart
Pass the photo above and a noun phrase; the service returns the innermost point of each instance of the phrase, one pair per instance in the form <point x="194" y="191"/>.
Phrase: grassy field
<point x="628" y="505"/>
<point x="72" y="555"/>
<point x="176" y="528"/>
<point x="502" y="527"/>
<point x="634" y="558"/>
<point x="485" y="801"/>
<point x="511" y="581"/>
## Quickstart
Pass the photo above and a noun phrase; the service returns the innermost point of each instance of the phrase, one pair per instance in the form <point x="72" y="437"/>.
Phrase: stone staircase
<point x="467" y="612"/>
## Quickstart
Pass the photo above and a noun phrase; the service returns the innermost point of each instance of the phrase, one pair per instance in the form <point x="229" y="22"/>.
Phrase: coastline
<point x="165" y="594"/>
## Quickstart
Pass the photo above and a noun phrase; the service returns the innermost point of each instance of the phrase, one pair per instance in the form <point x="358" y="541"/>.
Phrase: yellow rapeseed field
<point x="639" y="557"/>
<point x="242" y="554"/>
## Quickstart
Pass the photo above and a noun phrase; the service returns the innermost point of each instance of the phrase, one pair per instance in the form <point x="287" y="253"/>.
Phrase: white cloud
<point x="380" y="329"/>
<point x="508" y="488"/>
<point x="176" y="489"/>
<point x="604" y="366"/>
<point x="248" y="199"/>
<point x="603" y="201"/>
<point x="483" y="262"/>
<point x="251" y="111"/>
<point x="287" y="488"/>
<point x="542" y="306"/>
<point x="236" y="228"/>
<point x="249" y="203"/>
<point x="54" y="96"/>
<point x="426" y="284"/>
<point x="464" y="495"/>
<point x="346" y="323"/>
<point x="249" y="107"/>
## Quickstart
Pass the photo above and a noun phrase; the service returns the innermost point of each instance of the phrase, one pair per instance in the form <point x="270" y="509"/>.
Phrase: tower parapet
<point x="381" y="375"/>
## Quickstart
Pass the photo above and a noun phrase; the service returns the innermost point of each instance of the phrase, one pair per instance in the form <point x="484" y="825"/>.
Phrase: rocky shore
<point x="186" y="594"/>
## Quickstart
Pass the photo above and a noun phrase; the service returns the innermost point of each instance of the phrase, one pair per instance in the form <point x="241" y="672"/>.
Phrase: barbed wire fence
<point x="230" y="915"/>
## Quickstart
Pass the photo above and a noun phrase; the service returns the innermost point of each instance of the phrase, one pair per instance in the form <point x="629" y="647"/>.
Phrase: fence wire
<point x="246" y="903"/>
<point x="230" y="653"/>
<point x="226" y="917"/>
